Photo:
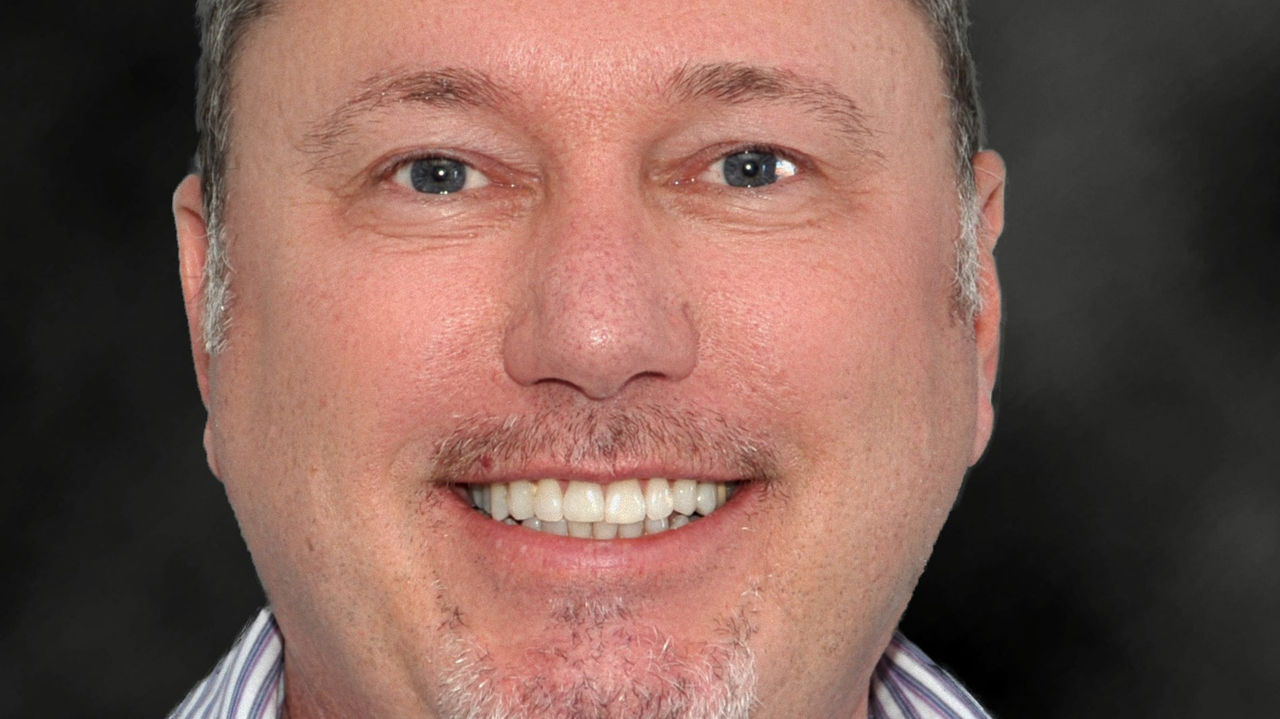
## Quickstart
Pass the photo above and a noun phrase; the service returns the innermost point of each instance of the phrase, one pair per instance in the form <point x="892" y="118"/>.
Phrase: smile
<point x="624" y="509"/>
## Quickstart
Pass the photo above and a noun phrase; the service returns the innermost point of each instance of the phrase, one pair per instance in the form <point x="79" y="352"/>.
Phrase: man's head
<point x="486" y="250"/>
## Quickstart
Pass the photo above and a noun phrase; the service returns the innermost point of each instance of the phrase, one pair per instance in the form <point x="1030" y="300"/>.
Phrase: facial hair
<point x="603" y="664"/>
<point x="596" y="660"/>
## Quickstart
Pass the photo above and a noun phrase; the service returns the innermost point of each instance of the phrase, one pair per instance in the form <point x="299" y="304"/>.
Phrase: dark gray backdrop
<point x="1115" y="554"/>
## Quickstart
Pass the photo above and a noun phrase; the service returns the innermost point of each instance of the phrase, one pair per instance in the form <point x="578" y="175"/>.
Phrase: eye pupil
<point x="438" y="175"/>
<point x="751" y="169"/>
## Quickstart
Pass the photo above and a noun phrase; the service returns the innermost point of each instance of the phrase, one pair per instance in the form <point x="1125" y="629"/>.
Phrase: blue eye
<point x="439" y="176"/>
<point x="750" y="168"/>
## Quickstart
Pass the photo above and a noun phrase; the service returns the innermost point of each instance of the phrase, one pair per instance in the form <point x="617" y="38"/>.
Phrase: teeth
<point x="498" y="507"/>
<point x="519" y="499"/>
<point x="583" y="502"/>
<point x="705" y="498"/>
<point x="624" y="509"/>
<point x="548" y="503"/>
<point x="624" y="502"/>
<point x="657" y="499"/>
<point x="635" y="530"/>
<point x="684" y="496"/>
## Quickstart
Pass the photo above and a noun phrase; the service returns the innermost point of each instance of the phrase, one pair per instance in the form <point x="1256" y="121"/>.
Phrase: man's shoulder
<point x="249" y="681"/>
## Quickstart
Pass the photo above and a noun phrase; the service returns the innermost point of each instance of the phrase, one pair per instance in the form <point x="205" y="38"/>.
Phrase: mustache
<point x="692" y="442"/>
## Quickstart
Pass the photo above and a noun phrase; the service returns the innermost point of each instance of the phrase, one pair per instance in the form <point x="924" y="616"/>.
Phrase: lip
<point x="534" y="556"/>
<point x="597" y="472"/>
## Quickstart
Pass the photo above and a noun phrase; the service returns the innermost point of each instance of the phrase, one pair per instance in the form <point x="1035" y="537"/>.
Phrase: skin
<point x="601" y="274"/>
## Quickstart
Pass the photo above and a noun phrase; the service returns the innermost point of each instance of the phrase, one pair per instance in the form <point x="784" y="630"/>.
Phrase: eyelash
<point x="757" y="147"/>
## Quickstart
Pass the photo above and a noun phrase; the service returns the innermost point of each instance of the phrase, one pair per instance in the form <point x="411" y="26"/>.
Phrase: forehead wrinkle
<point x="448" y="87"/>
<point x="741" y="83"/>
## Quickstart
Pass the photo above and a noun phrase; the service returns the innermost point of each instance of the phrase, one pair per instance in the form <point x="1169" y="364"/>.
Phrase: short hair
<point x="223" y="24"/>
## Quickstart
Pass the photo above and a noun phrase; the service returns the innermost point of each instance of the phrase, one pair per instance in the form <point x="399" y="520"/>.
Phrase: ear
<point x="989" y="176"/>
<point x="193" y="252"/>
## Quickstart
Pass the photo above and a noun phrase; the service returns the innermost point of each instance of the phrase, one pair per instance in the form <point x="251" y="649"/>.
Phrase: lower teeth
<point x="604" y="530"/>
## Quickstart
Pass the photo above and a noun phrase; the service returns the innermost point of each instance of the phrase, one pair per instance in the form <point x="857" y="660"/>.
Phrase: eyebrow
<point x="443" y="88"/>
<point x="740" y="83"/>
<point x="461" y="88"/>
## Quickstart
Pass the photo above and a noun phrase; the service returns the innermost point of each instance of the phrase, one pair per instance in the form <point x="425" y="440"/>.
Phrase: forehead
<point x="326" y="49"/>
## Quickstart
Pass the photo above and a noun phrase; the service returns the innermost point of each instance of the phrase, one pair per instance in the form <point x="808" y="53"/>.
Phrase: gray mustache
<point x="688" y="441"/>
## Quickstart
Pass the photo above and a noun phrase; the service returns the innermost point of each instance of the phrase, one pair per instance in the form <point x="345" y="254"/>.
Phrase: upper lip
<point x="537" y="471"/>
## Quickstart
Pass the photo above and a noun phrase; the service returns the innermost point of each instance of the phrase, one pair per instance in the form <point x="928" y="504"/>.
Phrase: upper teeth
<point x="627" y="508"/>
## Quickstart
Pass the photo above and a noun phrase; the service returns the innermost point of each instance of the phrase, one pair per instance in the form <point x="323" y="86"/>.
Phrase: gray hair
<point x="224" y="22"/>
<point x="949" y="20"/>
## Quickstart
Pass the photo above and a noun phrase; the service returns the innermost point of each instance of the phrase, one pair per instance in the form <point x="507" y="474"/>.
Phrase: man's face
<point x="591" y="243"/>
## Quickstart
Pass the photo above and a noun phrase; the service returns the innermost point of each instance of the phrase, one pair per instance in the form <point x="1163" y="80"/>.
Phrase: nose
<point x="601" y="304"/>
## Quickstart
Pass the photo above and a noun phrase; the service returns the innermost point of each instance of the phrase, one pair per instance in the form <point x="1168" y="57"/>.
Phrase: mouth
<point x="621" y="509"/>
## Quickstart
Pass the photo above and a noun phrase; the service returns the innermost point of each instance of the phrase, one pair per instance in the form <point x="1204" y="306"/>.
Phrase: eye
<point x="749" y="168"/>
<point x="439" y="176"/>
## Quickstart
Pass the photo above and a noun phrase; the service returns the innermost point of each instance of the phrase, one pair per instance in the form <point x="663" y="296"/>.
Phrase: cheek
<point x="830" y="331"/>
<point x="865" y="376"/>
<point x="373" y="338"/>
<point x="343" y="364"/>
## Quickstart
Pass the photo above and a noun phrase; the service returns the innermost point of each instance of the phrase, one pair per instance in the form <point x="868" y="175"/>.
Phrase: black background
<point x="1115" y="554"/>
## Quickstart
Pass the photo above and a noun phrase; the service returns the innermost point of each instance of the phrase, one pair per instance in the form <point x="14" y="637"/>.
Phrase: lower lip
<point x="697" y="546"/>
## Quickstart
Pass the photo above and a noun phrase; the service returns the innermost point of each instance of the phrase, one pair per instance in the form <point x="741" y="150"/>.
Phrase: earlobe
<point x="193" y="248"/>
<point x="989" y="176"/>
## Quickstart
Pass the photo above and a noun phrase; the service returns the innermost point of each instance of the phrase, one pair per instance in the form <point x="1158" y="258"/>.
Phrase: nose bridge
<point x="600" y="272"/>
<point x="603" y="304"/>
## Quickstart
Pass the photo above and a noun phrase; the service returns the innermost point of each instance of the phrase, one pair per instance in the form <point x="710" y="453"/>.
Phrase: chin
<point x="595" y="660"/>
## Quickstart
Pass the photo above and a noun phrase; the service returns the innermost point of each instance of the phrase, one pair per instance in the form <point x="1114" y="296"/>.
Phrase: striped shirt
<point x="249" y="682"/>
<point x="908" y="685"/>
